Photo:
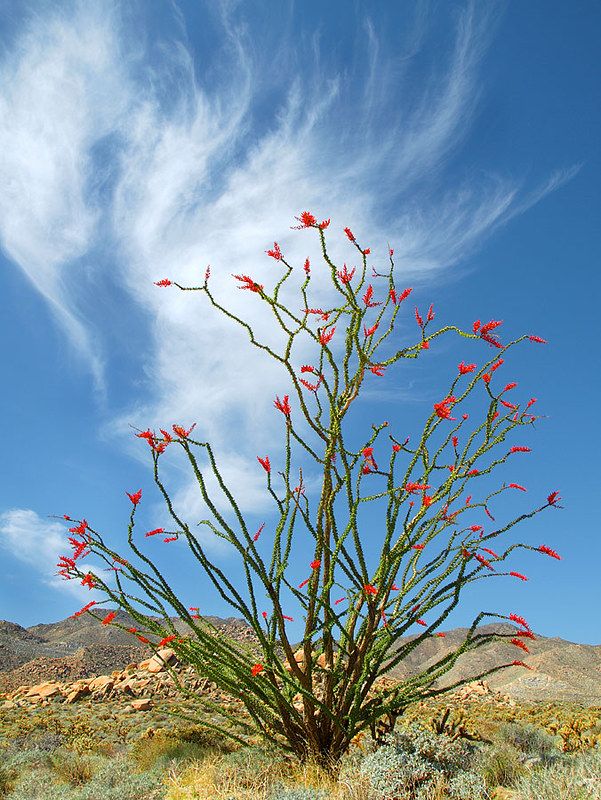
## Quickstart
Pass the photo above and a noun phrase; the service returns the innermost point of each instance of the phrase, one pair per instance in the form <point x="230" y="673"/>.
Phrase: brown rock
<point x="143" y="704"/>
<point x="76" y="694"/>
<point x="102" y="682"/>
<point x="43" y="690"/>
<point x="159" y="661"/>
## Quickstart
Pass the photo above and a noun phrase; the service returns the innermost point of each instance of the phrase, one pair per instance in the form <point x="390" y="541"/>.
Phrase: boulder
<point x="159" y="661"/>
<point x="143" y="704"/>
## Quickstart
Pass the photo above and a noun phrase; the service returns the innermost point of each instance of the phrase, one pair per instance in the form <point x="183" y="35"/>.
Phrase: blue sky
<point x="139" y="140"/>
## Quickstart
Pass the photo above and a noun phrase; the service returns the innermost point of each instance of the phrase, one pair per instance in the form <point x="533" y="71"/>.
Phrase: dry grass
<point x="218" y="779"/>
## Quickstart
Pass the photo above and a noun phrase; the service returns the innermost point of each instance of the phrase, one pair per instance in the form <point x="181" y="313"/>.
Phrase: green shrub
<point x="295" y="793"/>
<point x="413" y="763"/>
<point x="7" y="779"/>
<point x="467" y="786"/>
<point x="575" y="777"/>
<point x="529" y="739"/>
<point x="155" y="750"/>
<point x="500" y="765"/>
<point x="72" y="768"/>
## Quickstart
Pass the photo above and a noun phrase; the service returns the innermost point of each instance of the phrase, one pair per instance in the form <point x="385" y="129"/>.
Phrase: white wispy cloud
<point x="37" y="543"/>
<point x="205" y="170"/>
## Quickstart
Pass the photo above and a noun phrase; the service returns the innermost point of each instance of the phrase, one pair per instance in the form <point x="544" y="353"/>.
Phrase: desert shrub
<point x="147" y="752"/>
<point x="467" y="786"/>
<point x="413" y="762"/>
<point x="298" y="793"/>
<point x="500" y="765"/>
<point x="7" y="779"/>
<point x="529" y="739"/>
<point x="71" y="768"/>
<point x="573" y="778"/>
<point x="113" y="779"/>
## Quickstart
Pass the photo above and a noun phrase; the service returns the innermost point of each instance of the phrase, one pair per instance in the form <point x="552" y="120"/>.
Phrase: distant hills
<point x="80" y="647"/>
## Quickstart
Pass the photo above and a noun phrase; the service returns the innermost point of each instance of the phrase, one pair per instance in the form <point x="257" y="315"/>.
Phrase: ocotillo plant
<point x="366" y="605"/>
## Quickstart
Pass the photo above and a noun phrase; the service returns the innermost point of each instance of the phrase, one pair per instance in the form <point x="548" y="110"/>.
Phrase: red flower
<point x="109" y="618"/>
<point x="490" y="326"/>
<point x="455" y="441"/>
<point x="255" y="669"/>
<point x="476" y="528"/>
<point x="418" y="546"/>
<point x="264" y="462"/>
<point x="422" y="622"/>
<point x="168" y="539"/>
<point x="180" y="431"/>
<point x="163" y="282"/>
<point x="344" y="275"/>
<point x="553" y="498"/>
<point x="276" y="252"/>
<point x="264" y="614"/>
<point x="367" y="251"/>
<point x="510" y="386"/>
<point x="517" y="486"/>
<point x="465" y="368"/>
<point x="307" y="266"/>
<point x="519" y="449"/>
<point x="340" y="600"/>
<point x="258" y="533"/>
<point x="430" y="315"/>
<point x="143" y="639"/>
<point x="307" y="219"/>
<point x="427" y="500"/>
<point x="311" y="387"/>
<point x="367" y="297"/>
<point x="307" y="368"/>
<point x="547" y="551"/>
<point x="304" y="583"/>
<point x="84" y="609"/>
<point x="402" y="296"/>
<point x="324" y="224"/>
<point x="135" y="497"/>
<point x="418" y="318"/>
<point x="520" y="664"/>
<point x="283" y="405"/>
<point x="366" y="469"/>
<point x="288" y="618"/>
<point x="518" y="575"/>
<point x="350" y="234"/>
<point x="326" y="337"/>
<point x="154" y="532"/>
<point x="370" y="331"/>
<point x="526" y="634"/>
<point x="323" y="314"/>
<point x="390" y="251"/>
<point x="425" y="345"/>
<point x="519" y="643"/>
<point x="443" y="409"/>
<point x="248" y="283"/>
<point x="537" y="339"/>
<point x="88" y="580"/>
<point x="412" y="488"/>
<point x="315" y="564"/>
<point x="167" y="640"/>
<point x="476" y="326"/>
<point x="473" y="472"/>
<point x="377" y="369"/>
<point x="519" y="620"/>
<point x="483" y="561"/>
<point x="396" y="447"/>
<point x="490" y="552"/>
<point x="369" y="589"/>
<point x="485" y="332"/>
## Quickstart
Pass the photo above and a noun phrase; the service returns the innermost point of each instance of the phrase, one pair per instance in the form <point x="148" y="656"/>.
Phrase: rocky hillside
<point x="81" y="648"/>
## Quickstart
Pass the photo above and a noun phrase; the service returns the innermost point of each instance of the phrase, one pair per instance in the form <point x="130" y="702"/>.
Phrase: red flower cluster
<point x="344" y="275"/>
<point x="396" y="299"/>
<point x="276" y="252"/>
<point x="283" y="405"/>
<point x="547" y="551"/>
<point x="443" y="409"/>
<point x="248" y="283"/>
<point x="265" y="463"/>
